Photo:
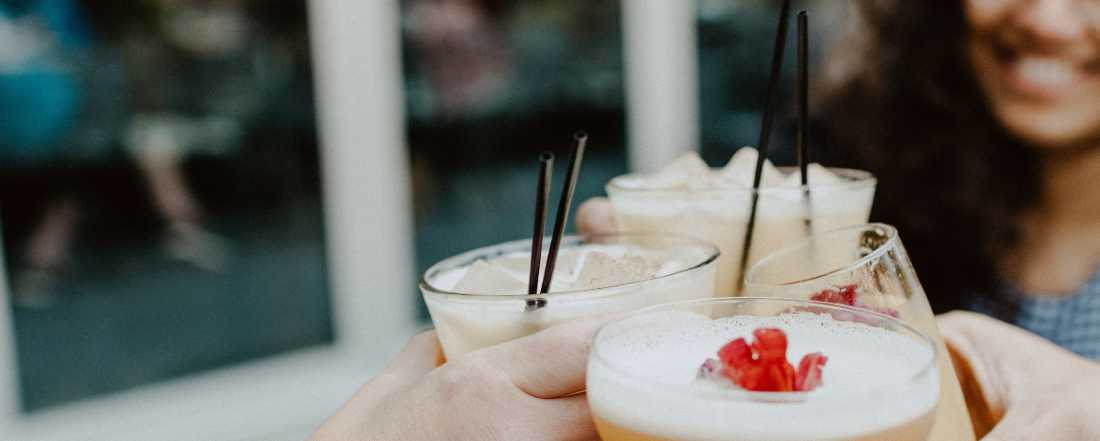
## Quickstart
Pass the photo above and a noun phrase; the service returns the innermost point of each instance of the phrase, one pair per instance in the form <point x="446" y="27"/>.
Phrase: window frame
<point x="367" y="196"/>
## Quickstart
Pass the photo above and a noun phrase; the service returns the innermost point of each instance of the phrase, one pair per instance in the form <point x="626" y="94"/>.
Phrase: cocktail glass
<point x="879" y="382"/>
<point x="467" y="322"/>
<point x="867" y="266"/>
<point x="721" y="215"/>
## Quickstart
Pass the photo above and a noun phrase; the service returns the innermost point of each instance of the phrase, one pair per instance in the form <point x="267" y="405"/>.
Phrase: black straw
<point x="766" y="128"/>
<point x="546" y="167"/>
<point x="580" y="139"/>
<point x="803" y="113"/>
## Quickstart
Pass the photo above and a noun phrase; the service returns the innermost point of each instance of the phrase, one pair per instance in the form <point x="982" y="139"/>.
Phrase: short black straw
<point x="766" y="128"/>
<point x="580" y="139"/>
<point x="803" y="113"/>
<point x="546" y="167"/>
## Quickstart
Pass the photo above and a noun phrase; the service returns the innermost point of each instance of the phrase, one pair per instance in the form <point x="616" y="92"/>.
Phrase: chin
<point x="1049" y="129"/>
<point x="1050" y="138"/>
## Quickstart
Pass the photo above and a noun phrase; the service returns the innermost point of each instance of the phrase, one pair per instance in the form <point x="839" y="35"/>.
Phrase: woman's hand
<point x="520" y="390"/>
<point x="595" y="216"/>
<point x="1020" y="386"/>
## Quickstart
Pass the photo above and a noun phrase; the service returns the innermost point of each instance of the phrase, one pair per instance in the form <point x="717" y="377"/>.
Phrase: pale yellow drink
<point x="594" y="275"/>
<point x="715" y="205"/>
<point x="872" y="258"/>
<point x="915" y="430"/>
<point x="879" y="382"/>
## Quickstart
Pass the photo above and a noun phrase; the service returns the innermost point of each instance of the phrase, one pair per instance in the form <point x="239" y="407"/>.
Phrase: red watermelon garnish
<point x="849" y="296"/>
<point x="762" y="366"/>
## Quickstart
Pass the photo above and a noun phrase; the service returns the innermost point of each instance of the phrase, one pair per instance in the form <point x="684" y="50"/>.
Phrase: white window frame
<point x="361" y="120"/>
<point x="661" y="71"/>
<point x="360" y="106"/>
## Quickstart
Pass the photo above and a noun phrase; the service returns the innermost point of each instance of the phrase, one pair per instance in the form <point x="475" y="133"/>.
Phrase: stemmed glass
<point x="867" y="267"/>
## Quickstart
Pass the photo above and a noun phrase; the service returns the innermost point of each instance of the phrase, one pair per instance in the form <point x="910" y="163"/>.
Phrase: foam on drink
<point x="687" y="197"/>
<point x="875" y="381"/>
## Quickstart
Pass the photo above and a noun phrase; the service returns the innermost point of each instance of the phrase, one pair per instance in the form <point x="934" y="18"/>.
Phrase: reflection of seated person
<point x="184" y="64"/>
<point x="40" y="103"/>
<point x="49" y="64"/>
<point x="159" y="146"/>
<point x="466" y="53"/>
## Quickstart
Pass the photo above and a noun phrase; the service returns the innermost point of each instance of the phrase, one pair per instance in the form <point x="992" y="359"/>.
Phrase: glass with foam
<point x="479" y="298"/>
<point x="879" y="382"/>
<point x="871" y="263"/>
<point x="688" y="197"/>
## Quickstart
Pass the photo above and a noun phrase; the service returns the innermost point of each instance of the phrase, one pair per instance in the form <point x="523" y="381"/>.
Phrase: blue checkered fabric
<point x="1072" y="322"/>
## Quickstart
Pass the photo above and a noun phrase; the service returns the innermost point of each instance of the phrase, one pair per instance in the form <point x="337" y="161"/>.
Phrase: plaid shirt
<point x="1072" y="322"/>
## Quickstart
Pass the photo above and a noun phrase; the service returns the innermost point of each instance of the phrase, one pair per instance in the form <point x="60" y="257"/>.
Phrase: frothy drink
<point x="479" y="299"/>
<point x="878" y="384"/>
<point x="688" y="197"/>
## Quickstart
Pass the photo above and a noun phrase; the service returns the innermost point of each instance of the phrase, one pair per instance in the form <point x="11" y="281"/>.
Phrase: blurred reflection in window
<point x="492" y="83"/>
<point x="159" y="189"/>
<point x="736" y="39"/>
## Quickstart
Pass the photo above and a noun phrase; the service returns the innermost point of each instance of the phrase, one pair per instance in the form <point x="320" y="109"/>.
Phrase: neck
<point x="1059" y="244"/>
<point x="1071" y="185"/>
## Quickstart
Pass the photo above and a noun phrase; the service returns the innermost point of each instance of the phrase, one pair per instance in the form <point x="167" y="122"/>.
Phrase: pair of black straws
<point x="546" y="166"/>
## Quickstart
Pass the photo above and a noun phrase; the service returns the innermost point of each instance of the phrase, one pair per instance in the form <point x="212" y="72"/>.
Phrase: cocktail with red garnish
<point x="761" y="369"/>
<point x="864" y="267"/>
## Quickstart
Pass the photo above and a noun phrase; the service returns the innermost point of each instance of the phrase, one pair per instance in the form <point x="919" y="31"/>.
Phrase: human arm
<point x="1020" y="386"/>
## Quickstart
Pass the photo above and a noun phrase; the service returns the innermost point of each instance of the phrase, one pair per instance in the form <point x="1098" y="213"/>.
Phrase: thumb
<point x="421" y="354"/>
<point x="595" y="216"/>
<point x="550" y="363"/>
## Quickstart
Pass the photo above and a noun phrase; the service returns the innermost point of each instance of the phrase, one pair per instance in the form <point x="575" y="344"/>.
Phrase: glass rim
<point x="426" y="287"/>
<point x="892" y="240"/>
<point x="931" y="365"/>
<point x="853" y="178"/>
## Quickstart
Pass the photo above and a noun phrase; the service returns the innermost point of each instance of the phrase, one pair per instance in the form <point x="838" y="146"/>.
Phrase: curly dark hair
<point x="901" y="101"/>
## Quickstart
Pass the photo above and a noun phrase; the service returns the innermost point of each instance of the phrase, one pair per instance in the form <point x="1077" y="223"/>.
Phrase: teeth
<point x="1045" y="71"/>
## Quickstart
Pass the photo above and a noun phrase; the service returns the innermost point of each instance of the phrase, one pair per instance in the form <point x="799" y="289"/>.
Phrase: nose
<point x="1057" y="20"/>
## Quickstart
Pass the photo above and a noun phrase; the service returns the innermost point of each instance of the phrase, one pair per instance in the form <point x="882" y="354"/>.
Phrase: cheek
<point x="983" y="14"/>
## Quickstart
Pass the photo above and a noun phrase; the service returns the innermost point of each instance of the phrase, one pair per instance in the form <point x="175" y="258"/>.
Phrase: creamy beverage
<point x="688" y="197"/>
<point x="880" y="380"/>
<point x="479" y="299"/>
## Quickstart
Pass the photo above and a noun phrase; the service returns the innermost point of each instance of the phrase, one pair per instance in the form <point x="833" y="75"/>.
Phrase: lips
<point x="1042" y="75"/>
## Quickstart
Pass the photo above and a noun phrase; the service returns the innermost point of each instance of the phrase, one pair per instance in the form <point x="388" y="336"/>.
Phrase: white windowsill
<point x="284" y="397"/>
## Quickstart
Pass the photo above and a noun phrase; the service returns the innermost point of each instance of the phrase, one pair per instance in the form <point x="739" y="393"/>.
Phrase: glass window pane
<point x="159" y="190"/>
<point x="490" y="85"/>
<point x="736" y="40"/>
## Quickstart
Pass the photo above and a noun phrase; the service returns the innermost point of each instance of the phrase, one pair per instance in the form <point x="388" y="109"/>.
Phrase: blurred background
<point x="161" y="181"/>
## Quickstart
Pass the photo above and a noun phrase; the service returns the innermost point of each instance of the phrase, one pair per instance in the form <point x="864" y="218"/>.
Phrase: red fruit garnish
<point x="845" y="295"/>
<point x="809" y="372"/>
<point x="763" y="366"/>
<point x="849" y="296"/>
